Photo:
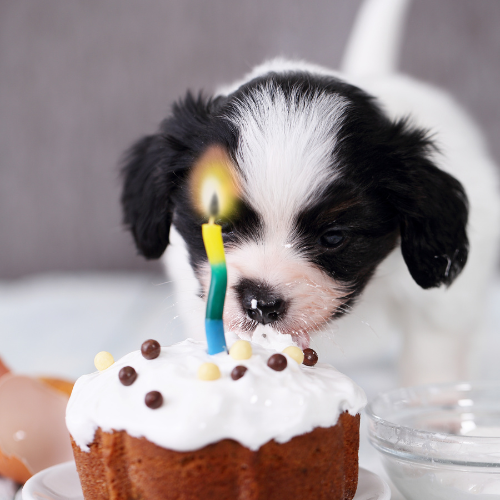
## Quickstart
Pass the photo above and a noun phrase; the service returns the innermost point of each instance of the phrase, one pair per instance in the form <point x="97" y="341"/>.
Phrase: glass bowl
<point x="440" y="441"/>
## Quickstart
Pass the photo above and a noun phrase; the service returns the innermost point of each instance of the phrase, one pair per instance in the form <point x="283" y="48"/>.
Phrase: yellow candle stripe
<point x="212" y="237"/>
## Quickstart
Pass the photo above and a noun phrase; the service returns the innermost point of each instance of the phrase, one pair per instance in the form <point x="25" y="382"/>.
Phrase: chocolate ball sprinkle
<point x="150" y="349"/>
<point x="310" y="357"/>
<point x="153" y="399"/>
<point x="127" y="375"/>
<point x="238" y="372"/>
<point x="277" y="362"/>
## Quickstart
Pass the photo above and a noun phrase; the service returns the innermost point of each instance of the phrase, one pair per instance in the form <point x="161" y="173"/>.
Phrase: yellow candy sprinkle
<point x="295" y="353"/>
<point x="208" y="371"/>
<point x="241" y="349"/>
<point x="103" y="360"/>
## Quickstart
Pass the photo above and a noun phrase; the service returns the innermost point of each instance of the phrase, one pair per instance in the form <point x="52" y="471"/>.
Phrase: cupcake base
<point x="321" y="464"/>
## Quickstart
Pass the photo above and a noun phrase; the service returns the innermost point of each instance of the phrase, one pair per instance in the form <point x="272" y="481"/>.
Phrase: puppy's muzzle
<point x="260" y="302"/>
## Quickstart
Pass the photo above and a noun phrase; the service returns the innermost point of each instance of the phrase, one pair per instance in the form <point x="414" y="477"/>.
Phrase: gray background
<point x="80" y="80"/>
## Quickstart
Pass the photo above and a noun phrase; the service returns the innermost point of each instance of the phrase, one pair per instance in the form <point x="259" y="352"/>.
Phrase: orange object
<point x="58" y="384"/>
<point x="3" y="369"/>
<point x="33" y="434"/>
<point x="14" y="468"/>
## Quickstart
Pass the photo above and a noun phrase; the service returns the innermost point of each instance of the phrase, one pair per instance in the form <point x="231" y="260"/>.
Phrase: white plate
<point x="61" y="482"/>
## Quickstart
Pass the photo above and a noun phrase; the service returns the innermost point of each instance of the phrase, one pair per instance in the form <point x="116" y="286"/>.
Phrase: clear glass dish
<point x="440" y="441"/>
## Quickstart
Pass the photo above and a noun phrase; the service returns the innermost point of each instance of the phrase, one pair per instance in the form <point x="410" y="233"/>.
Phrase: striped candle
<point x="214" y="246"/>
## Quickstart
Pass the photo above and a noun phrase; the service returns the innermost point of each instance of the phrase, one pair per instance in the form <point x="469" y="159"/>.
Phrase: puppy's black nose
<point x="260" y="302"/>
<point x="264" y="311"/>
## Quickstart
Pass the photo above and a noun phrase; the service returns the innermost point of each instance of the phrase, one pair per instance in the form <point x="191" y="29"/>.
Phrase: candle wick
<point x="214" y="206"/>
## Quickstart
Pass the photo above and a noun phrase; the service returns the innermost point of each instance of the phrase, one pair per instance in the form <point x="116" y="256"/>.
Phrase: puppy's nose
<point x="260" y="302"/>
<point x="263" y="311"/>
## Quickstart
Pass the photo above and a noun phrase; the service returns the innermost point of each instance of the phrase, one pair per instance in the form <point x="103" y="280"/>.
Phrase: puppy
<point x="360" y="182"/>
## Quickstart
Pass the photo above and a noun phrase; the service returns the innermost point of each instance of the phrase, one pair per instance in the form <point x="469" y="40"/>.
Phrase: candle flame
<point x="214" y="186"/>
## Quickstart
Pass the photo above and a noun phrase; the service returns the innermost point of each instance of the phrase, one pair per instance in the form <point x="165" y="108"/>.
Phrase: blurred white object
<point x="8" y="489"/>
<point x="59" y="482"/>
<point x="56" y="324"/>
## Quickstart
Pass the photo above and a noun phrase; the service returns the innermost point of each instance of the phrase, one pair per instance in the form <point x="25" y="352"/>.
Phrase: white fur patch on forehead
<point x="285" y="149"/>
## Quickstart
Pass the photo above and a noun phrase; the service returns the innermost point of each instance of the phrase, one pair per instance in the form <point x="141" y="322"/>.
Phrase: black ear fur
<point x="433" y="212"/>
<point x="145" y="198"/>
<point x="153" y="169"/>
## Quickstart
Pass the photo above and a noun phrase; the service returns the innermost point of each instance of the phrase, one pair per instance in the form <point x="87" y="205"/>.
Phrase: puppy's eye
<point x="227" y="228"/>
<point x="227" y="231"/>
<point x="332" y="238"/>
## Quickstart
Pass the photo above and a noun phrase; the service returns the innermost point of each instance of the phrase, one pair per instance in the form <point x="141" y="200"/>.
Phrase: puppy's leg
<point x="430" y="356"/>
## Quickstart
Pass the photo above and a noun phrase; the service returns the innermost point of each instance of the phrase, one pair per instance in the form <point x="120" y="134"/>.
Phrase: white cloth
<point x="55" y="324"/>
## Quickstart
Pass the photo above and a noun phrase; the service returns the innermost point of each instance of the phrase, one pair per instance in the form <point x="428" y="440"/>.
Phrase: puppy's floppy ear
<point x="154" y="168"/>
<point x="433" y="212"/>
<point x="146" y="203"/>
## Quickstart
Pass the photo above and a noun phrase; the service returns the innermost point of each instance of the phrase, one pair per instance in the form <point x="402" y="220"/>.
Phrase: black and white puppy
<point x="347" y="183"/>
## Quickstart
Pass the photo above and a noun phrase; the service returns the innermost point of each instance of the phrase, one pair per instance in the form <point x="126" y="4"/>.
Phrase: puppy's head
<point x="328" y="185"/>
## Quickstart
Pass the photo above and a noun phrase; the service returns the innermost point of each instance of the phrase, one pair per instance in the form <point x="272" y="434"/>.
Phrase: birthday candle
<point x="215" y="191"/>
<point x="214" y="328"/>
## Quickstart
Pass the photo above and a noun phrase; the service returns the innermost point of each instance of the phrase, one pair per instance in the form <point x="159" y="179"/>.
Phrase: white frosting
<point x="269" y="338"/>
<point x="262" y="405"/>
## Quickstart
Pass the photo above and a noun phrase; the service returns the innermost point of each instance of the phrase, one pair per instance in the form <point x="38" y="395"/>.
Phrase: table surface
<point x="55" y="324"/>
